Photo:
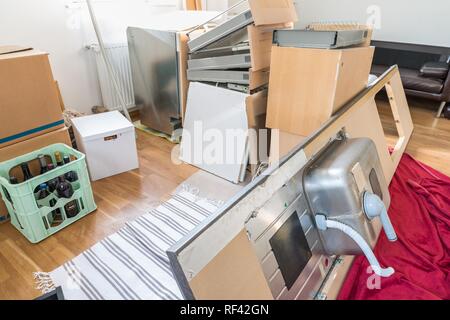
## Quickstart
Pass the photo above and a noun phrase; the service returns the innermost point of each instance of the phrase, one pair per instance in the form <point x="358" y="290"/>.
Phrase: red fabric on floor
<point x="420" y="213"/>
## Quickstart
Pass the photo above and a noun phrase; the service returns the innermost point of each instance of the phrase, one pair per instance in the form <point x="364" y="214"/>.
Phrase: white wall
<point x="413" y="21"/>
<point x="63" y="28"/>
<point x="222" y="5"/>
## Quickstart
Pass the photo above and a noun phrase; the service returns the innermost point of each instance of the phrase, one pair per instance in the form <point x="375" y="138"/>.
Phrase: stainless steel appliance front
<point x="264" y="227"/>
<point x="154" y="67"/>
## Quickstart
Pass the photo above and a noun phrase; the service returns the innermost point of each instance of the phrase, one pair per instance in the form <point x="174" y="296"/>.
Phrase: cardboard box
<point x="29" y="101"/>
<point x="182" y="66"/>
<point x="281" y="143"/>
<point x="260" y="41"/>
<point x="307" y="86"/>
<point x="266" y="12"/>
<point x="18" y="149"/>
<point x="256" y="109"/>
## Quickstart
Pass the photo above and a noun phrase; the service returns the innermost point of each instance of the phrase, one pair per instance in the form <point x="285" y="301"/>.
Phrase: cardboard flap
<point x="273" y="11"/>
<point x="13" y="49"/>
<point x="260" y="40"/>
<point x="258" y="78"/>
<point x="307" y="86"/>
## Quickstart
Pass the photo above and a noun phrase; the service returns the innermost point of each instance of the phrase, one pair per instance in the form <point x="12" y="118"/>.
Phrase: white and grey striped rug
<point x="131" y="264"/>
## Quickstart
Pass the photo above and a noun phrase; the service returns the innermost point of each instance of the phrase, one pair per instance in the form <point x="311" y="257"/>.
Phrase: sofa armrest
<point x="446" y="89"/>
<point x="438" y="70"/>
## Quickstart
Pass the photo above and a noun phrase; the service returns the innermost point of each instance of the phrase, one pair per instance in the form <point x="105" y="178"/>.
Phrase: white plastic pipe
<point x="112" y="75"/>
<point x="323" y="223"/>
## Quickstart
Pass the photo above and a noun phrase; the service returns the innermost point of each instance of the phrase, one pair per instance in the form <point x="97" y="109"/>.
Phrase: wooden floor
<point x="430" y="142"/>
<point x="124" y="197"/>
<point x="119" y="199"/>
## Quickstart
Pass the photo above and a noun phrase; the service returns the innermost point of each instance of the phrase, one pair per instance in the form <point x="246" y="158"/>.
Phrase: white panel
<point x="211" y="113"/>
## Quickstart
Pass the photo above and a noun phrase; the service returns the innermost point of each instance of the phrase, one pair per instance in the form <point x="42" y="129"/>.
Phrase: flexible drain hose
<point x="323" y="224"/>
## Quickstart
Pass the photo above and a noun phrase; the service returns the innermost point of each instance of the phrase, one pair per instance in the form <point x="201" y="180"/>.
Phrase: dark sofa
<point x="424" y="70"/>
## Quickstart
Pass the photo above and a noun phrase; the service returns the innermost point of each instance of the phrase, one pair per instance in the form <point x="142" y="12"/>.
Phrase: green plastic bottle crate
<point x="36" y="222"/>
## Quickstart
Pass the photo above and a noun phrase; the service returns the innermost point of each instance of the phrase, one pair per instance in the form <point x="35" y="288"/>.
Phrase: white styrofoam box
<point x="109" y="142"/>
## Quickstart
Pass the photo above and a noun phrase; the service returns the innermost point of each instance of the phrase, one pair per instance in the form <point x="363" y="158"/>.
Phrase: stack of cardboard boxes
<point x="30" y="106"/>
<point x="234" y="56"/>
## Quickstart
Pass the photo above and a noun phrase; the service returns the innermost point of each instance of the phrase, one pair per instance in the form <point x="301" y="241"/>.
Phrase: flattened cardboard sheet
<point x="266" y="12"/>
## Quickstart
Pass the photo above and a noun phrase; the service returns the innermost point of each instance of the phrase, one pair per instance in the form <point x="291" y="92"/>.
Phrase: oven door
<point x="288" y="247"/>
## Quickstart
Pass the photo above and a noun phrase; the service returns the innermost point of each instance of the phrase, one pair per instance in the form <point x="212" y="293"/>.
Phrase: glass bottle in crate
<point x="54" y="218"/>
<point x="64" y="188"/>
<point x="43" y="192"/>
<point x="54" y="182"/>
<point x="70" y="176"/>
<point x="58" y="158"/>
<point x="72" y="209"/>
<point x="42" y="163"/>
<point x="41" y="195"/>
<point x="26" y="171"/>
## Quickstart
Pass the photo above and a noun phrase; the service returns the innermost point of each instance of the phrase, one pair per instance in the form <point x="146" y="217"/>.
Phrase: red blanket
<point x="420" y="213"/>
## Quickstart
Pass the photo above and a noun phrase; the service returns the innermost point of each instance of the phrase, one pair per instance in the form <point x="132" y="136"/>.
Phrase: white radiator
<point x="120" y="60"/>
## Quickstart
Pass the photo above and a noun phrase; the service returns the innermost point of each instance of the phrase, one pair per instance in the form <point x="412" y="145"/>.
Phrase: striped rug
<point x="131" y="264"/>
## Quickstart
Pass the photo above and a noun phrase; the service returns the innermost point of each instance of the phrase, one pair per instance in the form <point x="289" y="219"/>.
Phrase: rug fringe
<point x="44" y="282"/>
